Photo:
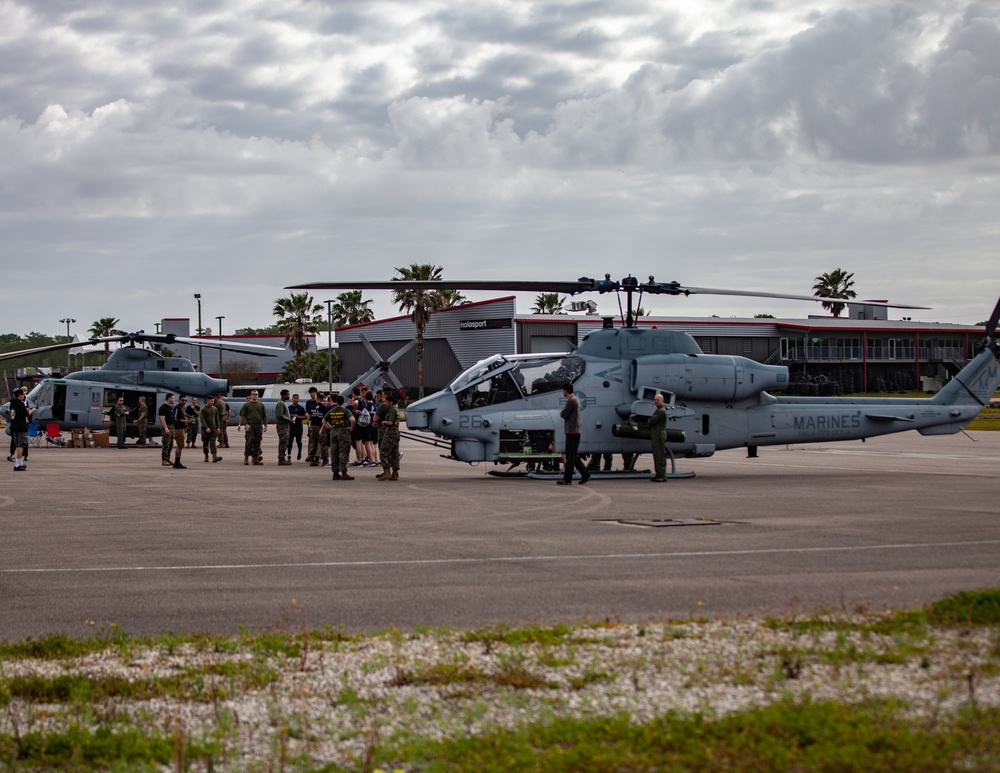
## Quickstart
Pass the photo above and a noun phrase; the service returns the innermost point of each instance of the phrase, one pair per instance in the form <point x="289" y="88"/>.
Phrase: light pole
<point x="66" y="321"/>
<point x="220" y="345"/>
<point x="329" y="342"/>
<point x="201" y="365"/>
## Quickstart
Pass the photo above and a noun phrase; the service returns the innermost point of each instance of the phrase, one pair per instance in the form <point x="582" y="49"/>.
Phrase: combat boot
<point x="345" y="476"/>
<point x="395" y="475"/>
<point x="246" y="460"/>
<point x="336" y="476"/>
<point x="385" y="474"/>
<point x="284" y="462"/>
<point x="206" y="457"/>
<point x="216" y="458"/>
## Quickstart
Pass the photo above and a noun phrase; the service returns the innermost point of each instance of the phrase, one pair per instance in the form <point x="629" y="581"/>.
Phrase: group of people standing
<point x="366" y="422"/>
<point x="179" y="425"/>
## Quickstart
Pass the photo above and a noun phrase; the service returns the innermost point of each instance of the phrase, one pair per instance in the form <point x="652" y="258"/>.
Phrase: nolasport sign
<point x="484" y="324"/>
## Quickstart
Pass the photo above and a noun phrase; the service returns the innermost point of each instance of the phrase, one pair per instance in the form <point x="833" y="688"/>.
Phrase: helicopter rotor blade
<point x="581" y="285"/>
<point x="675" y="288"/>
<point x="400" y="352"/>
<point x="43" y="349"/>
<point x="994" y="320"/>
<point x="259" y="350"/>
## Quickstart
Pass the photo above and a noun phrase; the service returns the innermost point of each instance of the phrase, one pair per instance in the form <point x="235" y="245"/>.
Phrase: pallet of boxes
<point x="84" y="437"/>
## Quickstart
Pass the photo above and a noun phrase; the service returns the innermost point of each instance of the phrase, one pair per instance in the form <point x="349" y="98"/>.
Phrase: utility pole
<point x="329" y="342"/>
<point x="66" y="321"/>
<point x="201" y="365"/>
<point x="220" y="345"/>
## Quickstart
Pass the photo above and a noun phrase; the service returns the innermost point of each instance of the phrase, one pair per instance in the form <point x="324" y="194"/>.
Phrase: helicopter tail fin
<point x="975" y="384"/>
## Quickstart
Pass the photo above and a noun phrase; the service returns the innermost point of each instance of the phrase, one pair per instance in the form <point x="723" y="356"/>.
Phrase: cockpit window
<point x="549" y="374"/>
<point x="503" y="379"/>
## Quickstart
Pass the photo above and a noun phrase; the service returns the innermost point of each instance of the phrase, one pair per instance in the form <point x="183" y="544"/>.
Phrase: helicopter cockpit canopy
<point x="500" y="379"/>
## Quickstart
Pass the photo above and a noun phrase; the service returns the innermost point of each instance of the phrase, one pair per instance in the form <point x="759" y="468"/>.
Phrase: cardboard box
<point x="102" y="439"/>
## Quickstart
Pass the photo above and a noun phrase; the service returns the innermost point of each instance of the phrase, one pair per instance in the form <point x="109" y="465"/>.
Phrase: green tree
<point x="241" y="371"/>
<point x="835" y="284"/>
<point x="350" y="309"/>
<point x="449" y="299"/>
<point x="298" y="317"/>
<point x="548" y="303"/>
<point x="419" y="304"/>
<point x="103" y="328"/>
<point x="314" y="368"/>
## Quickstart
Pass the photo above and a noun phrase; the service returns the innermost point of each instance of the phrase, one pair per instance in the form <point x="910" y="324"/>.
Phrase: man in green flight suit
<point x="142" y="421"/>
<point x="283" y="426"/>
<point x="658" y="439"/>
<point x="210" y="429"/>
<point x="339" y="421"/>
<point x="120" y="413"/>
<point x="254" y="414"/>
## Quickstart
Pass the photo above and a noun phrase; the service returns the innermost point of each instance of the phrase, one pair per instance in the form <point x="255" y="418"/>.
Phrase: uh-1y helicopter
<point x="80" y="399"/>
<point x="506" y="407"/>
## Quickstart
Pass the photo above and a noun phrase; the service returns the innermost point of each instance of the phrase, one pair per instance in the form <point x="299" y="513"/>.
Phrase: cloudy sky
<point x="232" y="147"/>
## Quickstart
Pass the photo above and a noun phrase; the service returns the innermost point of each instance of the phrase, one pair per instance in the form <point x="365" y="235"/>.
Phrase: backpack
<point x="364" y="416"/>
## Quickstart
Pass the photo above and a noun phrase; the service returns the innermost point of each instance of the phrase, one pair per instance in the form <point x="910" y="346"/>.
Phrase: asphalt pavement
<point x="91" y="538"/>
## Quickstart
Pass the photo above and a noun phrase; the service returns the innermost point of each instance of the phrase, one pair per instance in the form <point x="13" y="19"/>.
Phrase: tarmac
<point x="94" y="539"/>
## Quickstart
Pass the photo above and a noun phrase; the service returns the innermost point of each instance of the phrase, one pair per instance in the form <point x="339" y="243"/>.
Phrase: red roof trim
<point x="468" y="305"/>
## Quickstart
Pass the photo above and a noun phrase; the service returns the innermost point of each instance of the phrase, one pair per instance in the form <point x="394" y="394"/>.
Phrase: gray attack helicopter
<point x="505" y="409"/>
<point x="80" y="399"/>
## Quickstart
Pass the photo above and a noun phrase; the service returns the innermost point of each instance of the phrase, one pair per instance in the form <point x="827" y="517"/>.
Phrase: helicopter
<point x="80" y="399"/>
<point x="505" y="408"/>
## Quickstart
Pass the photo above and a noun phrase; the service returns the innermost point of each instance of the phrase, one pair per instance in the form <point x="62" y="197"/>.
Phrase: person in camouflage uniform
<point x="192" y="428"/>
<point x="142" y="421"/>
<point x="380" y="411"/>
<point x="339" y="421"/>
<point x="254" y="414"/>
<point x="223" y="407"/>
<point x="389" y="447"/>
<point x="210" y="429"/>
<point x="283" y="426"/>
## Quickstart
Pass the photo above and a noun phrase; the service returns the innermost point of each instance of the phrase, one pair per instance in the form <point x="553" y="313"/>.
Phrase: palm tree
<point x="835" y="284"/>
<point x="351" y="310"/>
<point x="548" y="303"/>
<point x="419" y="304"/>
<point x="449" y="299"/>
<point x="298" y="317"/>
<point x="103" y="328"/>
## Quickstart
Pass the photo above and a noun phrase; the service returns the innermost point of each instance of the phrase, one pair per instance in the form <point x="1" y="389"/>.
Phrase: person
<point x="371" y="431"/>
<point x="570" y="414"/>
<point x="166" y="416"/>
<point x="327" y="403"/>
<point x="283" y="426"/>
<point x="181" y="421"/>
<point x="316" y="410"/>
<point x="357" y="406"/>
<point x="142" y="421"/>
<point x="23" y="391"/>
<point x="120" y="413"/>
<point x="340" y="422"/>
<point x="192" y="428"/>
<point x="298" y="412"/>
<point x="209" y="417"/>
<point x="389" y="448"/>
<point x="254" y="414"/>
<point x="658" y="439"/>
<point x="224" y="413"/>
<point x="380" y="410"/>
<point x="20" y="413"/>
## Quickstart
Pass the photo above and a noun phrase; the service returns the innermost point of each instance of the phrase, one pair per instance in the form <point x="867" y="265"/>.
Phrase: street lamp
<point x="201" y="365"/>
<point x="220" y="345"/>
<point x="329" y="341"/>
<point x="66" y="321"/>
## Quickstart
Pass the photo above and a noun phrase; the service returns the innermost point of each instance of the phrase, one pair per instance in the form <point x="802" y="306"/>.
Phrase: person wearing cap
<point x="283" y="426"/>
<point x="181" y="420"/>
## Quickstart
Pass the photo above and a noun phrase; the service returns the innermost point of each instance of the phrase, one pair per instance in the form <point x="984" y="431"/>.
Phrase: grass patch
<point x="980" y="607"/>
<point x="786" y="736"/>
